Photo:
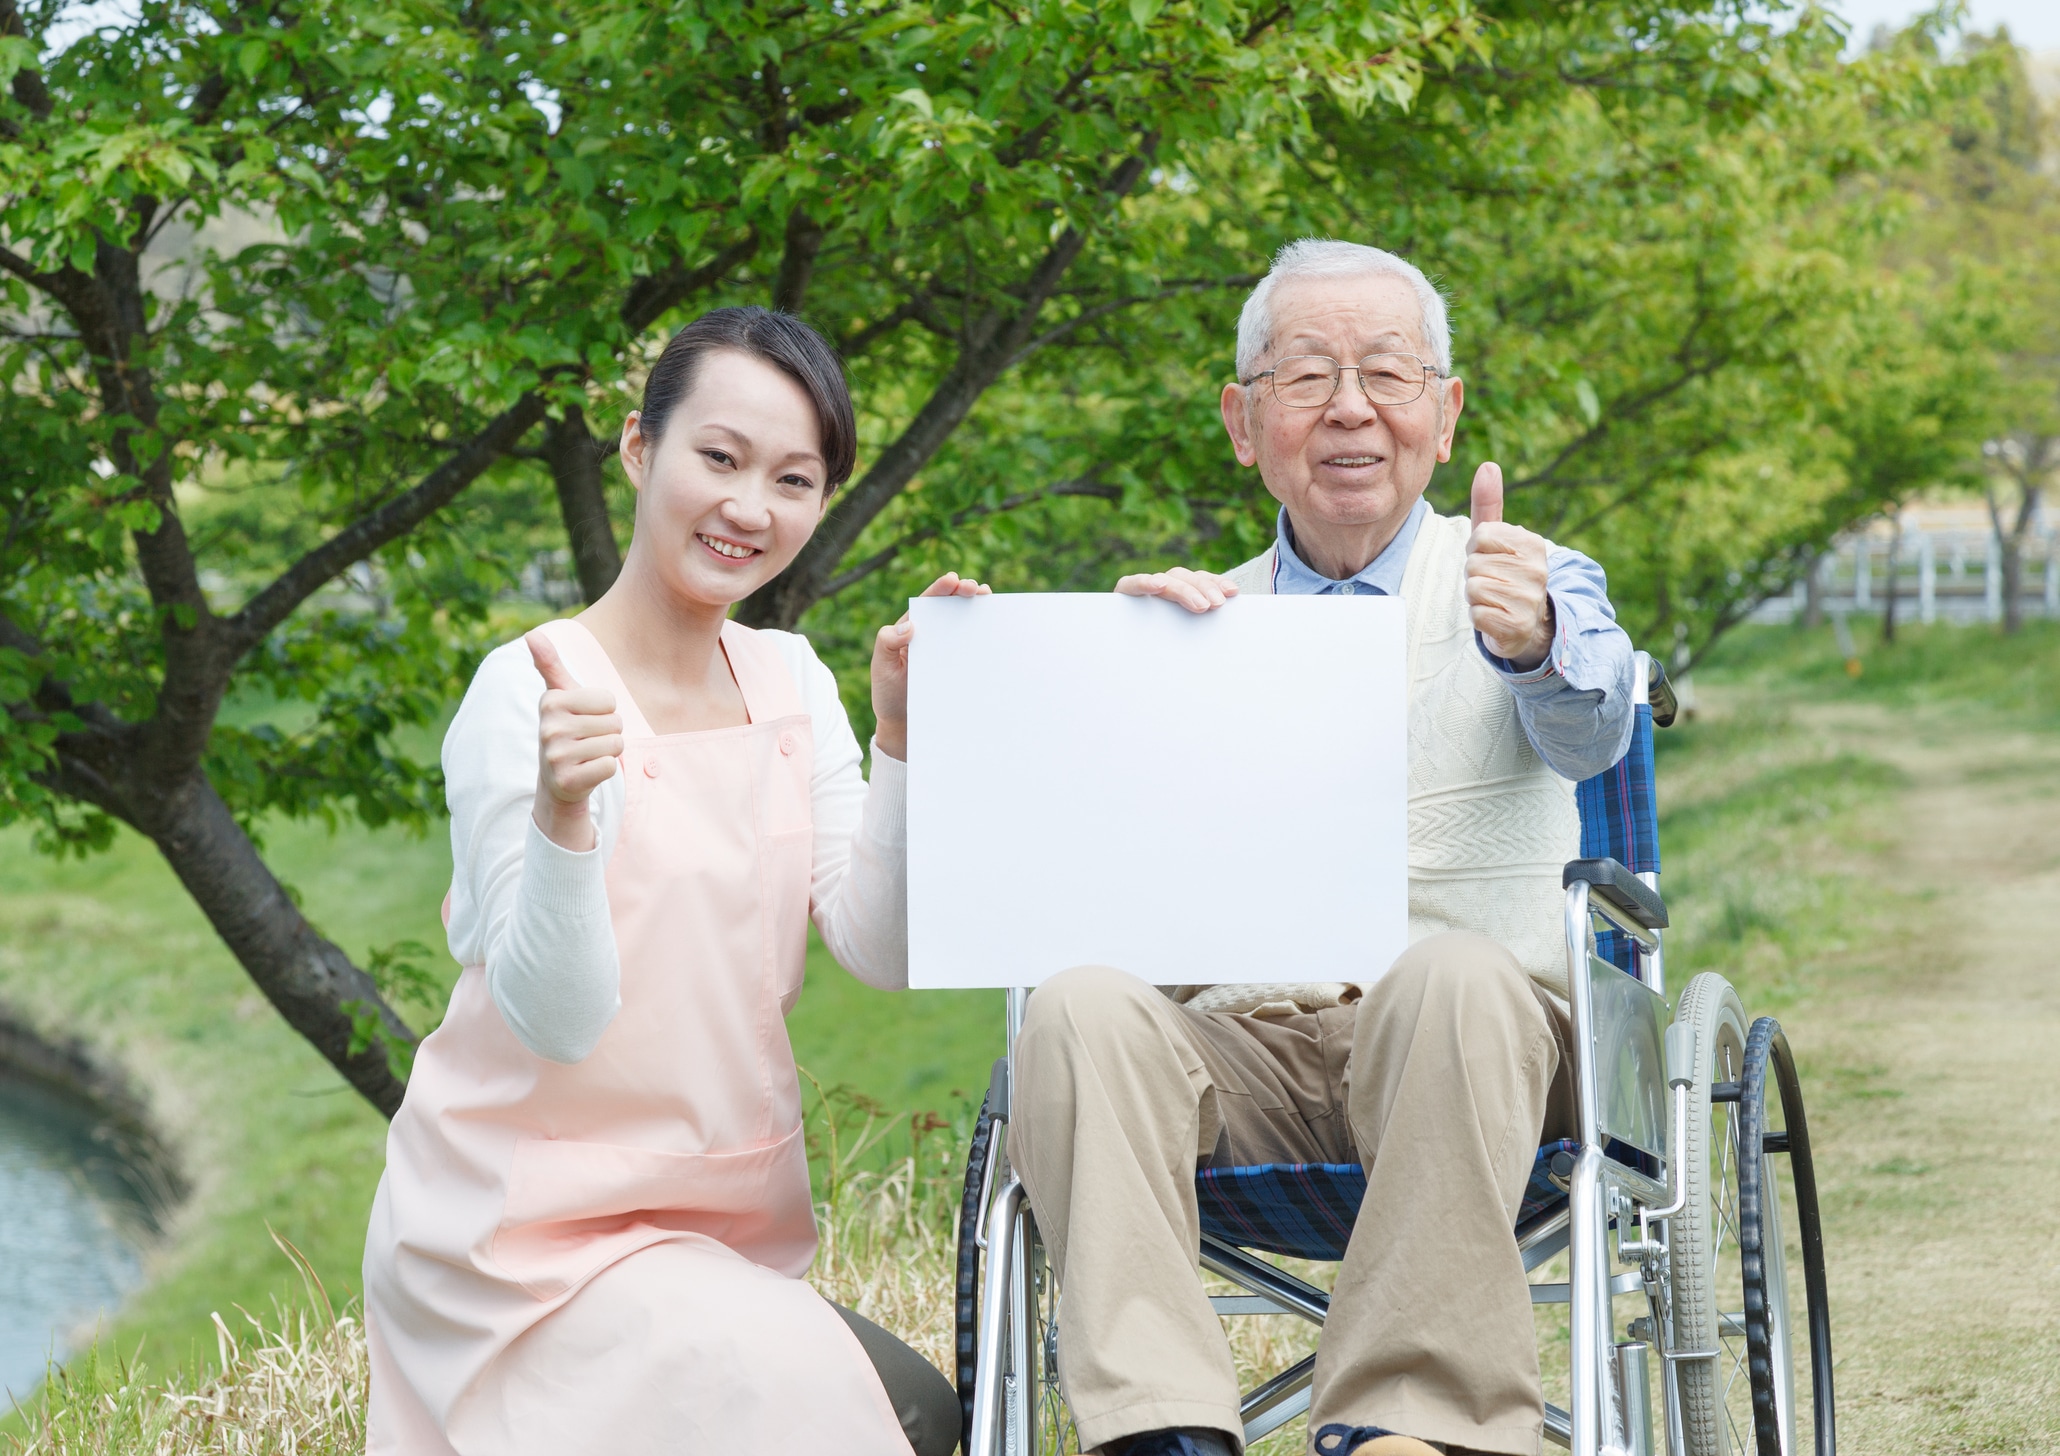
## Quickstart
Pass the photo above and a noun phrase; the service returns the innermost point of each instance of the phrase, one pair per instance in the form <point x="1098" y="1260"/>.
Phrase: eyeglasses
<point x="1310" y="381"/>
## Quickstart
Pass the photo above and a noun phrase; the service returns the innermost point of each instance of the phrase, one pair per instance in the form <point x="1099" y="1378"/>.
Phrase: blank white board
<point x="1195" y="799"/>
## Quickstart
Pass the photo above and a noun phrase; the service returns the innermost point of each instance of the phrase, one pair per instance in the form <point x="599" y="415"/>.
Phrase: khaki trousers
<point x="1442" y="1082"/>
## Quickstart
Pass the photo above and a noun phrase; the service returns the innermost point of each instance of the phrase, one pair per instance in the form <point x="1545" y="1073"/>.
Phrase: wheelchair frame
<point x="1627" y="1059"/>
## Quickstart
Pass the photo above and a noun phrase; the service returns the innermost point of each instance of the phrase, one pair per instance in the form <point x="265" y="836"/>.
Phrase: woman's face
<point x="734" y="487"/>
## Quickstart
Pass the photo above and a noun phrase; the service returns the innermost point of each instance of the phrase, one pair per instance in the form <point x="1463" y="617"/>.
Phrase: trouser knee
<point x="1456" y="975"/>
<point x="1094" y="1011"/>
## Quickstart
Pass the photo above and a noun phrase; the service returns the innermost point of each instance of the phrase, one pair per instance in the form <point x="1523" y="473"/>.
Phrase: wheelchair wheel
<point x="1763" y="1259"/>
<point x="1728" y="1247"/>
<point x="1715" y="1395"/>
<point x="1034" y="1416"/>
<point x="966" y="1313"/>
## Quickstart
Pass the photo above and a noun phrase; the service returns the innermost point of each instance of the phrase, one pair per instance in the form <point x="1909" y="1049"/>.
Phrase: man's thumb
<point x="549" y="663"/>
<point x="1487" y="494"/>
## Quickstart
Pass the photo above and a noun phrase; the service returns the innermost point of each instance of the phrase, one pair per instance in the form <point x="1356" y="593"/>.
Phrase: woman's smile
<point x="727" y="549"/>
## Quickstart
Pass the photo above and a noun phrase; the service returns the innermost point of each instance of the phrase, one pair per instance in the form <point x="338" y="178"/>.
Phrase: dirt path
<point x="1934" y="1078"/>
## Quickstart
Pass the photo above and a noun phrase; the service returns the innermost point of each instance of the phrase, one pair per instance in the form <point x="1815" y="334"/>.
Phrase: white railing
<point x="1941" y="574"/>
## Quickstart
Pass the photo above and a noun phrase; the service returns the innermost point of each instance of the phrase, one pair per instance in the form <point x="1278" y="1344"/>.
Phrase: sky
<point x="2034" y="24"/>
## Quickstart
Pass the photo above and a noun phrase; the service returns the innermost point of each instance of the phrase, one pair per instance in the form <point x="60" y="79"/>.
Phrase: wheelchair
<point x="1671" y="1206"/>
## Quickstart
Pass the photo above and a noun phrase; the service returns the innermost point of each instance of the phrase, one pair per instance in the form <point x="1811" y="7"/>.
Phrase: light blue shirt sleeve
<point x="1576" y="705"/>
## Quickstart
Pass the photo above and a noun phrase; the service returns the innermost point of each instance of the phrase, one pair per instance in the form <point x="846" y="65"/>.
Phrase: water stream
<point x="73" y="1226"/>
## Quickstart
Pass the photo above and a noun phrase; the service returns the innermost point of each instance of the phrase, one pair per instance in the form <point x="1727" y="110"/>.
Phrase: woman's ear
<point x="635" y="459"/>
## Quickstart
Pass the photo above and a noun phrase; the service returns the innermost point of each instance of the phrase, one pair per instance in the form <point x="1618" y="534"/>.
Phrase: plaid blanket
<point x="1306" y="1210"/>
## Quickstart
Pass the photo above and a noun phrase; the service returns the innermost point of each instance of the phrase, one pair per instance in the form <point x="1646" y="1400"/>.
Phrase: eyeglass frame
<point x="1430" y="372"/>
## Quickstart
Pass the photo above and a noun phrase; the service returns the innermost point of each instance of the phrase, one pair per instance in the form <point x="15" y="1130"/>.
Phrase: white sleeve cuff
<point x="563" y="881"/>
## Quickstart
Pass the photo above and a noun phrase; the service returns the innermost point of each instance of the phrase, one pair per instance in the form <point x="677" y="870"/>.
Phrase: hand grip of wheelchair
<point x="1680" y="1055"/>
<point x="1612" y="883"/>
<point x="1659" y="693"/>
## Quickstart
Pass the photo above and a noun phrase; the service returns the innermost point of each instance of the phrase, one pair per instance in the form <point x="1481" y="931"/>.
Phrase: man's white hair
<point x="1328" y="258"/>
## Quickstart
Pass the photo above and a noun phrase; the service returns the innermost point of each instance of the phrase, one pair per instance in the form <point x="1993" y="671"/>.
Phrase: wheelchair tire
<point x="966" y="1312"/>
<point x="1035" y="1418"/>
<point x="1715" y="1395"/>
<point x="1763" y="1260"/>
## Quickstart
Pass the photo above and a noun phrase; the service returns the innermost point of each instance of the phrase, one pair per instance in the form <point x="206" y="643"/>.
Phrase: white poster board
<point x="1108" y="780"/>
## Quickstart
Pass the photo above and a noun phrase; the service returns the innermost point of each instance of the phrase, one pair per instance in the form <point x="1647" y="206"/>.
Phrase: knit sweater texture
<point x="1491" y="827"/>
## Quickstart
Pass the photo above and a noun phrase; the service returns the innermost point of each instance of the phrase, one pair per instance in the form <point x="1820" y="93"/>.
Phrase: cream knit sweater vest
<point x="1490" y="826"/>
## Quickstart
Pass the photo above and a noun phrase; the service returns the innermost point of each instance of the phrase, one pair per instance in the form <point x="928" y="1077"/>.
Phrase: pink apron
<point x="607" y="1257"/>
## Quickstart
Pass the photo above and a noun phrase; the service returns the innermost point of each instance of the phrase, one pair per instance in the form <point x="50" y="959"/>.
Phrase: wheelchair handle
<point x="1659" y="693"/>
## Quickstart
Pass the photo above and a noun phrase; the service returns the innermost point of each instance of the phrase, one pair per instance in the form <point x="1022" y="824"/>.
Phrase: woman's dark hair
<point x="784" y="342"/>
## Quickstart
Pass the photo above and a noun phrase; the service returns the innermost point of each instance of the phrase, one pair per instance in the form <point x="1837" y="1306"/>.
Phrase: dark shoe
<point x="1172" y="1443"/>
<point x="1370" y="1441"/>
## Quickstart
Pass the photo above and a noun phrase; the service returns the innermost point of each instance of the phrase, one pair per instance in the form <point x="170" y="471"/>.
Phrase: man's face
<point x="1348" y="465"/>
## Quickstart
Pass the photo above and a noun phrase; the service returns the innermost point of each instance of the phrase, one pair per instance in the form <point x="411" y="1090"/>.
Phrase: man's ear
<point x="1451" y="398"/>
<point x="1237" y="422"/>
<point x="634" y="448"/>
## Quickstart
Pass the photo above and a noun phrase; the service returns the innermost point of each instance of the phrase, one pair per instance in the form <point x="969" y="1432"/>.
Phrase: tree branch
<point x="992" y="344"/>
<point x="797" y="263"/>
<point x="395" y="519"/>
<point x="885" y="557"/>
<point x="1117" y="305"/>
<point x="28" y="87"/>
<point x="655" y="294"/>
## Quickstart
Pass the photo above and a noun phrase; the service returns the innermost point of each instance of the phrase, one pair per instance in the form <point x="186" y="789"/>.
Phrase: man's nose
<point x="1349" y="405"/>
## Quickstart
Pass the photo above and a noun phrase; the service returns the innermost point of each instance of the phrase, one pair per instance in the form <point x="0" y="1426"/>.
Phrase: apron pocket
<point x="574" y="1208"/>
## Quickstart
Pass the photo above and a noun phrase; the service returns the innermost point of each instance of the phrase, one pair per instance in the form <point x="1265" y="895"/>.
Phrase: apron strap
<point x="590" y="664"/>
<point x="770" y="692"/>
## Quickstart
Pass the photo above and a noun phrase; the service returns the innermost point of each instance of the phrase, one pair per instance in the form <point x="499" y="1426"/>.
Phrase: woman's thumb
<point x="545" y="654"/>
<point x="1487" y="494"/>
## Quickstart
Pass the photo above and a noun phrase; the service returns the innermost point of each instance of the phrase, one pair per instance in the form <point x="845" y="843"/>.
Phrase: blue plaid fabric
<point x="1306" y="1210"/>
<point x="1620" y="821"/>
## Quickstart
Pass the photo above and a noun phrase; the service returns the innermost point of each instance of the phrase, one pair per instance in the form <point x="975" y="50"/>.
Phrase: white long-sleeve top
<point x="535" y="915"/>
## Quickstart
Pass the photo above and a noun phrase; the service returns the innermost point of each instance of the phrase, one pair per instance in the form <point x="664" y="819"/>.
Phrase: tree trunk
<point x="2013" y="584"/>
<point x="1813" y="591"/>
<point x="1895" y="553"/>
<point x="307" y="978"/>
<point x="583" y="502"/>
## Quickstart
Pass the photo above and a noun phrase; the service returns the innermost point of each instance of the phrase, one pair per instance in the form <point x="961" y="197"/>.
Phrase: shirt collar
<point x="1293" y="576"/>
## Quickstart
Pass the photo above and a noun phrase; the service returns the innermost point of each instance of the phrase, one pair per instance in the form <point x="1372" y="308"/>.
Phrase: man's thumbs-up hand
<point x="1505" y="579"/>
<point x="579" y="737"/>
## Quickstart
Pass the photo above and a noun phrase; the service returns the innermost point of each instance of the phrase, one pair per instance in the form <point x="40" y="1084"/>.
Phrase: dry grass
<point x="295" y="1384"/>
<point x="292" y="1387"/>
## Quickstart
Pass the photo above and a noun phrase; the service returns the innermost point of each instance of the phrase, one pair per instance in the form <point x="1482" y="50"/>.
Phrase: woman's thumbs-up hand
<point x="579" y="738"/>
<point x="1505" y="579"/>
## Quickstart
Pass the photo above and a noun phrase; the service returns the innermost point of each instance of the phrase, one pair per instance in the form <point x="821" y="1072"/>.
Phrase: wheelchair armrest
<point x="1609" y="881"/>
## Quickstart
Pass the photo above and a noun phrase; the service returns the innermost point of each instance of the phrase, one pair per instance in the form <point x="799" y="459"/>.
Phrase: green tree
<point x="1666" y="232"/>
<point x="1993" y="204"/>
<point x="302" y="293"/>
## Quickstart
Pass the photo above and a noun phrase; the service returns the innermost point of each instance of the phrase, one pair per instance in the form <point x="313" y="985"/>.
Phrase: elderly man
<point x="1441" y="1076"/>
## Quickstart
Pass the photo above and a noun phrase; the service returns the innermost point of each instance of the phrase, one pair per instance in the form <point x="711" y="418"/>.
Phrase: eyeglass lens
<point x="1304" y="381"/>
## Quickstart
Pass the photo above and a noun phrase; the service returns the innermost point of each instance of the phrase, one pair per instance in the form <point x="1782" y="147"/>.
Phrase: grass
<point x="111" y="949"/>
<point x="1777" y="813"/>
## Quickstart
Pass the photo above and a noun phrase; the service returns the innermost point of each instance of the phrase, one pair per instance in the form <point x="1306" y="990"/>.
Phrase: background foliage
<point x="309" y="306"/>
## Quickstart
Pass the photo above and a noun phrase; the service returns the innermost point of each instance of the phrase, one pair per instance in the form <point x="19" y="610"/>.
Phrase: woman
<point x="596" y="1210"/>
